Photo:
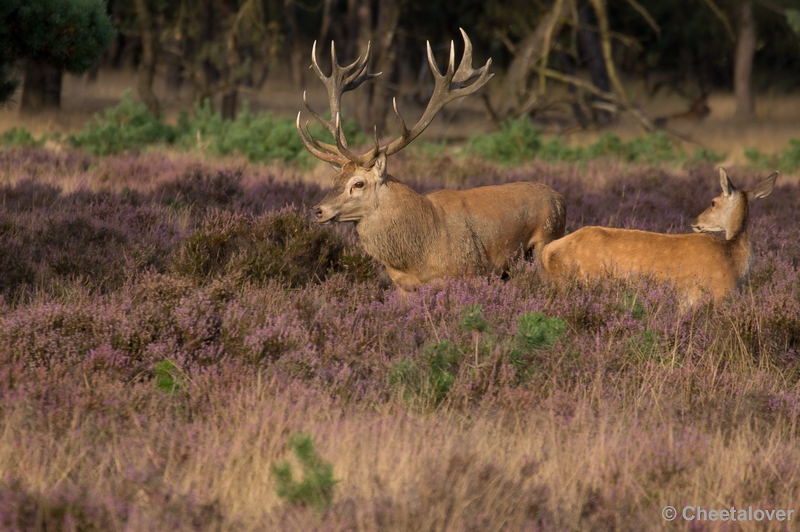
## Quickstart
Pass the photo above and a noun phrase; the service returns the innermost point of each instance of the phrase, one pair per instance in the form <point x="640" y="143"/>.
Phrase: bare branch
<point x="610" y="96"/>
<point x="646" y="16"/>
<point x="722" y="18"/>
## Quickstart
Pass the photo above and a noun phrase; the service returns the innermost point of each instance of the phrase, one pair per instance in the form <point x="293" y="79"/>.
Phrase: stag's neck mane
<point x="397" y="232"/>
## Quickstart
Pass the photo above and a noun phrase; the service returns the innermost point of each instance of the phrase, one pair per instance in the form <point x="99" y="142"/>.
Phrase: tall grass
<point x="157" y="365"/>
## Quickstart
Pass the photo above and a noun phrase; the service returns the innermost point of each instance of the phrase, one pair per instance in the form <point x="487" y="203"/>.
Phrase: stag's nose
<point x="319" y="213"/>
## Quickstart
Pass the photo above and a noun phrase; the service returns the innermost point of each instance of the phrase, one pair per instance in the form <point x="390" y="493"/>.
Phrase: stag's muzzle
<point x="323" y="215"/>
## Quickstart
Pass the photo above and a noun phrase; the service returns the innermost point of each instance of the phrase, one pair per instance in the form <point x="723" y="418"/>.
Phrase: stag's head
<point x="730" y="210"/>
<point x="354" y="193"/>
<point x="356" y="188"/>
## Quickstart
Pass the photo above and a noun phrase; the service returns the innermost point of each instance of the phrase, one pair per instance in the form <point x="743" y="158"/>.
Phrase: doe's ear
<point x="725" y="183"/>
<point x="379" y="167"/>
<point x="763" y="189"/>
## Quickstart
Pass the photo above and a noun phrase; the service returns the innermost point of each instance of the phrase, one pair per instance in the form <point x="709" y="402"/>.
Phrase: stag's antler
<point x="341" y="80"/>
<point x="449" y="86"/>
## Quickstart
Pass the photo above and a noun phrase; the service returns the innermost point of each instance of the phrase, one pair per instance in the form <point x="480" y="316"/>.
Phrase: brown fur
<point x="420" y="238"/>
<point x="694" y="262"/>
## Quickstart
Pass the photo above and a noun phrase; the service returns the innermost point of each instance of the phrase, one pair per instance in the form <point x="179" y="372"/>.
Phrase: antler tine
<point x="341" y="80"/>
<point x="319" y="150"/>
<point x="403" y="129"/>
<point x="465" y="71"/>
<point x="324" y="146"/>
<point x="341" y="144"/>
<point x="326" y="124"/>
<point x="448" y="87"/>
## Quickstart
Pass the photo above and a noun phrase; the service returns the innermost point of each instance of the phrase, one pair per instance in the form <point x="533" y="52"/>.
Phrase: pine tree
<point x="62" y="34"/>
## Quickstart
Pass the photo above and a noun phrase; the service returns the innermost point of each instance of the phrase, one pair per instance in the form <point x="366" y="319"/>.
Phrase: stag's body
<point x="445" y="233"/>
<point x="696" y="263"/>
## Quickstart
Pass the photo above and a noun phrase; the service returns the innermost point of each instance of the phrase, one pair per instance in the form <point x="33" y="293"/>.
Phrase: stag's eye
<point x="358" y="184"/>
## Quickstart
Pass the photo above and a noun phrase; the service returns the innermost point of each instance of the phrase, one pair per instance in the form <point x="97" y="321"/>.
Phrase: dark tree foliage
<point x="65" y="34"/>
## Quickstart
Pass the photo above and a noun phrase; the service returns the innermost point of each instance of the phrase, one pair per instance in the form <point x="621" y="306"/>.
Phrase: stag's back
<point x="500" y="221"/>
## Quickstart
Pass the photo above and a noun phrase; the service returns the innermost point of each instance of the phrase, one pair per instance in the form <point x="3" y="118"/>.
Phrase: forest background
<point x="720" y="75"/>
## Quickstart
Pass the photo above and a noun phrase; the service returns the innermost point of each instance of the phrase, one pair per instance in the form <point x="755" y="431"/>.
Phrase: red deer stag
<point x="694" y="262"/>
<point x="419" y="238"/>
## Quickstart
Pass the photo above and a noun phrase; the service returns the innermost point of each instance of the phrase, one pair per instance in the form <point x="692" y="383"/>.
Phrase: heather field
<point x="182" y="348"/>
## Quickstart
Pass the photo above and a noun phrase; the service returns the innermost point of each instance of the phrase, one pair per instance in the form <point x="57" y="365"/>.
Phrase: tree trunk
<point x="147" y="62"/>
<point x="591" y="47"/>
<point x="293" y="46"/>
<point x="42" y="87"/>
<point x="516" y="91"/>
<point x="743" y="67"/>
<point x="376" y="95"/>
<point x="174" y="73"/>
<point x="229" y="95"/>
<point x="568" y="66"/>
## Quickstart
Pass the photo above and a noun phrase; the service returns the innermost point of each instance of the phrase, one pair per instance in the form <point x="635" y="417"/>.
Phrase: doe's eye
<point x="713" y="203"/>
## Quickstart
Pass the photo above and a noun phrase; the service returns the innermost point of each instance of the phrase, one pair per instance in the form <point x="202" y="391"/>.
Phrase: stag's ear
<point x="764" y="189"/>
<point x="725" y="183"/>
<point x="379" y="167"/>
<point x="337" y="167"/>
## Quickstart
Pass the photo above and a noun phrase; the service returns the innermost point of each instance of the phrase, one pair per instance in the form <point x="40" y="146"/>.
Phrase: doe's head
<point x="730" y="210"/>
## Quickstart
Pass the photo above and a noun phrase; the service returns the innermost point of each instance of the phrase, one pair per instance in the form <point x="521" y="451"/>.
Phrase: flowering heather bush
<point x="167" y="325"/>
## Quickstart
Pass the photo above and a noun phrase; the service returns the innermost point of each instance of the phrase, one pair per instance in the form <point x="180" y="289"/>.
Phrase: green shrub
<point x="443" y="359"/>
<point x="787" y="160"/>
<point x="519" y="140"/>
<point x="18" y="136"/>
<point x="472" y="319"/>
<point x="261" y="137"/>
<point x="167" y="376"/>
<point x="315" y="490"/>
<point x="536" y="330"/>
<point x="128" y="126"/>
<point x="433" y="378"/>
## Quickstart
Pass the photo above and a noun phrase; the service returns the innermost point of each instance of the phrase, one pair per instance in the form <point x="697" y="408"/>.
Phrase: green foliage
<point x="537" y="330"/>
<point x="432" y="379"/>
<point x="520" y="140"/>
<point x="128" y="126"/>
<point x="259" y="137"/>
<point x="472" y="319"/>
<point x="67" y="34"/>
<point x="793" y="19"/>
<point x="315" y="490"/>
<point x="167" y="376"/>
<point x="18" y="136"/>
<point x="443" y="360"/>
<point x="787" y="160"/>
<point x="517" y="141"/>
